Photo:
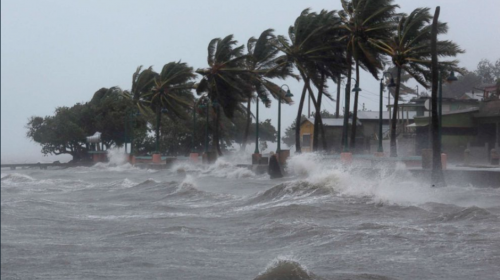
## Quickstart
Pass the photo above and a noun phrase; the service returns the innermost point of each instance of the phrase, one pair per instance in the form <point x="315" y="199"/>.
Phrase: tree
<point x="467" y="82"/>
<point x="171" y="93"/>
<point x="307" y="46"/>
<point x="267" y="132"/>
<point x="488" y="71"/>
<point x="364" y="20"/>
<point x="330" y="63"/>
<point x="409" y="51"/>
<point x="65" y="132"/>
<point x="226" y="81"/>
<point x="262" y="64"/>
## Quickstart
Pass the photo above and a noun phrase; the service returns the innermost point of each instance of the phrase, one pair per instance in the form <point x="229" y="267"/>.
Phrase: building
<point x="333" y="130"/>
<point x="461" y="129"/>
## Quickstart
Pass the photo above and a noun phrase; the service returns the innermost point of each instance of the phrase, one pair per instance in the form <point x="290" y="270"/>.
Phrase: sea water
<point x="322" y="221"/>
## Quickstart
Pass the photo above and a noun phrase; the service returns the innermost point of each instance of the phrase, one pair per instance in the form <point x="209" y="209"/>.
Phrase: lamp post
<point x="288" y="94"/>
<point x="265" y="100"/>
<point x="256" y="127"/>
<point x="391" y="84"/>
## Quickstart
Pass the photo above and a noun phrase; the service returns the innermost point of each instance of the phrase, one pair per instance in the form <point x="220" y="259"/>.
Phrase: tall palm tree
<point x="364" y="20"/>
<point x="226" y="80"/>
<point x="263" y="66"/>
<point x="409" y="49"/>
<point x="329" y="62"/>
<point x="304" y="50"/>
<point x="171" y="93"/>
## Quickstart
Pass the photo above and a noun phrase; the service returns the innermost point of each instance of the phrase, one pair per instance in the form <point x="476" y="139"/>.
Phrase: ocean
<point x="322" y="221"/>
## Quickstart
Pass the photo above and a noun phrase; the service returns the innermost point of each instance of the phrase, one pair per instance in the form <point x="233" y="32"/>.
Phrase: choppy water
<point x="322" y="222"/>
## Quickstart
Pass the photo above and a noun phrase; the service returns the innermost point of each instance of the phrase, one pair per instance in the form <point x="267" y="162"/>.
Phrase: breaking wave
<point x="389" y="186"/>
<point x="291" y="190"/>
<point x="469" y="213"/>
<point x="16" y="178"/>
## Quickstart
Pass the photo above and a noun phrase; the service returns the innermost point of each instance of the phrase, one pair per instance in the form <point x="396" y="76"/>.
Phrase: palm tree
<point x="410" y="51"/>
<point x="263" y="66"/>
<point x="304" y="49"/>
<point x="226" y="81"/>
<point x="142" y="83"/>
<point x="364" y="20"/>
<point x="171" y="93"/>
<point x="329" y="62"/>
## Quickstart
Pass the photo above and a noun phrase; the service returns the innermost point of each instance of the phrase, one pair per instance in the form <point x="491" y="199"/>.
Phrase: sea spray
<point x="391" y="185"/>
<point x="116" y="156"/>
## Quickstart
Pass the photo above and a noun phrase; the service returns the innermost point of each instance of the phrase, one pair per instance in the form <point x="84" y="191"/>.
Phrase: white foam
<point x="388" y="187"/>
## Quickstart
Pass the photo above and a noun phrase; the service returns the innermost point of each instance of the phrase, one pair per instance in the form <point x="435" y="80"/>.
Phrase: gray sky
<point x="57" y="53"/>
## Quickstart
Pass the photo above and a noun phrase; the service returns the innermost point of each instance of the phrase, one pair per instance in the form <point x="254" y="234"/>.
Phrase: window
<point x="306" y="140"/>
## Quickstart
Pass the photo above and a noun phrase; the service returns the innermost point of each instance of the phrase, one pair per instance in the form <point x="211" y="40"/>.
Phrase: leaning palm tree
<point x="329" y="63"/>
<point x="171" y="93"/>
<point x="304" y="50"/>
<point x="263" y="66"/>
<point x="142" y="83"/>
<point x="410" y="51"/>
<point x="226" y="81"/>
<point x="364" y="20"/>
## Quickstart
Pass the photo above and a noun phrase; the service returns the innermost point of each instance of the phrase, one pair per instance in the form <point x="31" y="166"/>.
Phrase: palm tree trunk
<point x="394" y="121"/>
<point x="437" y="169"/>
<point x="299" y="116"/>
<point x="337" y="106"/>
<point x="247" y="127"/>
<point x="216" y="134"/>
<point x="355" y="110"/>
<point x="317" y="117"/>
<point x="315" y="104"/>
<point x="347" y="99"/>
<point x="158" y="120"/>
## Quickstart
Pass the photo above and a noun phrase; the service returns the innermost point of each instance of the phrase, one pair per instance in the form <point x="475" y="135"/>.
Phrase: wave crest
<point x="285" y="269"/>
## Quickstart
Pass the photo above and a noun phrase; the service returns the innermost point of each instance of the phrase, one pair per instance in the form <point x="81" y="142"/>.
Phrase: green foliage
<point x="65" y="132"/>
<point x="410" y="50"/>
<point x="488" y="71"/>
<point x="267" y="132"/>
<point x="364" y="21"/>
<point x="172" y="90"/>
<point x="263" y="65"/>
<point x="226" y="80"/>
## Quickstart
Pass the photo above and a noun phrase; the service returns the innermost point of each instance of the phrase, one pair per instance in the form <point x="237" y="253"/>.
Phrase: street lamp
<point x="346" y="113"/>
<point x="288" y="94"/>
<point x="265" y="100"/>
<point x="391" y="84"/>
